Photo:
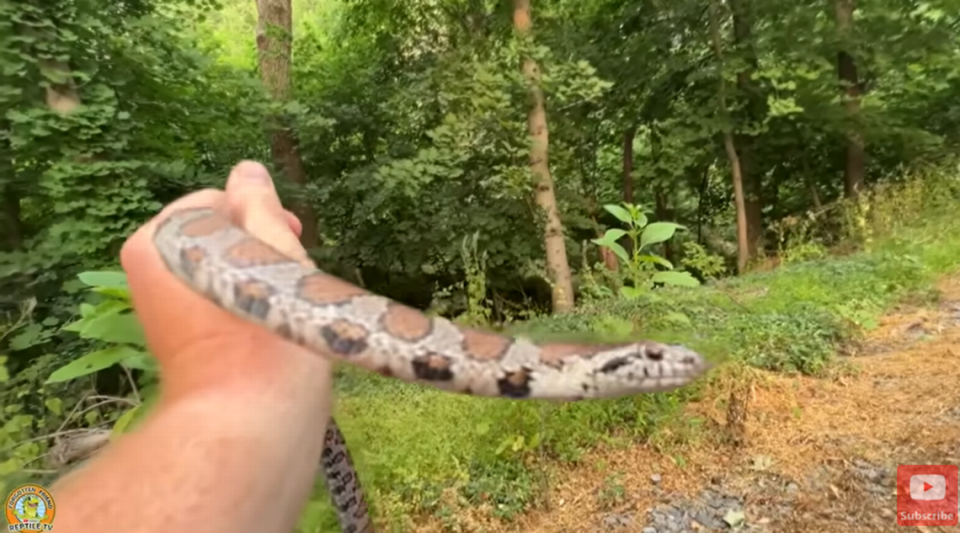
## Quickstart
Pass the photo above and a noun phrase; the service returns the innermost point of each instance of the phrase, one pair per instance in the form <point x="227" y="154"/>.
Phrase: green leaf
<point x="613" y="235"/>
<point x="31" y="335"/>
<point x="55" y="405"/>
<point x="658" y="232"/>
<point x="107" y="280"/>
<point x="91" y="363"/>
<point x="121" y="294"/>
<point x="631" y="292"/>
<point x="142" y="361"/>
<point x="622" y="214"/>
<point x="619" y="251"/>
<point x="682" y="279"/>
<point x="641" y="219"/>
<point x="115" y="328"/>
<point x="124" y="421"/>
<point x="653" y="258"/>
<point x="91" y="314"/>
<point x="10" y="466"/>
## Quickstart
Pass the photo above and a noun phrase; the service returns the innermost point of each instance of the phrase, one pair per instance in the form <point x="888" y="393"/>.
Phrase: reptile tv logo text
<point x="927" y="495"/>
<point x="30" y="509"/>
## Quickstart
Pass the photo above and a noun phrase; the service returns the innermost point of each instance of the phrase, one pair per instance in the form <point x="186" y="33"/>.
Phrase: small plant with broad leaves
<point x="112" y="323"/>
<point x="641" y="263"/>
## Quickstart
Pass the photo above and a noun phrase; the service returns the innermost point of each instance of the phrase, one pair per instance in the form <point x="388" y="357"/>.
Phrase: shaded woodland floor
<point x="817" y="454"/>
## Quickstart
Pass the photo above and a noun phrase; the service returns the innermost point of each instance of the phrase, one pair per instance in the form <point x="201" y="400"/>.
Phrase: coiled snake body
<point x="338" y="320"/>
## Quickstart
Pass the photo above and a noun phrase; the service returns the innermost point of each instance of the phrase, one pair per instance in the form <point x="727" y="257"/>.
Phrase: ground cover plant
<point x="707" y="179"/>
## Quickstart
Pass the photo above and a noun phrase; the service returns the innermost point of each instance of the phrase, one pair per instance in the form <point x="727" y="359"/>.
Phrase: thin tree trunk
<point x="661" y="211"/>
<point x="274" y="42"/>
<point x="754" y="112"/>
<point x="853" y="172"/>
<point x="608" y="257"/>
<point x="557" y="264"/>
<point x="628" y="136"/>
<point x="62" y="97"/>
<point x="61" y="93"/>
<point x="12" y="225"/>
<point x="743" y="246"/>
<point x="815" y="197"/>
<point x="811" y="181"/>
<point x="627" y="180"/>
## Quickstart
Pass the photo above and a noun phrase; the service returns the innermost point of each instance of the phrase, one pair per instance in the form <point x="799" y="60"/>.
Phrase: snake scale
<point x="341" y="321"/>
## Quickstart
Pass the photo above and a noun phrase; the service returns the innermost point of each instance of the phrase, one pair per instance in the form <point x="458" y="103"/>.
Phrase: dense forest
<point x="759" y="178"/>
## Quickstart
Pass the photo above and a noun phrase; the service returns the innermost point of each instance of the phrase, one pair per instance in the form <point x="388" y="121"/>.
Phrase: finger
<point x="253" y="203"/>
<point x="295" y="225"/>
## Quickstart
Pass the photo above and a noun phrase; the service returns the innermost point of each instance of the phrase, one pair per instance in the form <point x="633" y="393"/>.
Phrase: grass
<point x="455" y="458"/>
<point x="414" y="446"/>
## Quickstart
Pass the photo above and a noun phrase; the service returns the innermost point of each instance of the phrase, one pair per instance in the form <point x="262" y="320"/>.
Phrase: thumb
<point x="253" y="203"/>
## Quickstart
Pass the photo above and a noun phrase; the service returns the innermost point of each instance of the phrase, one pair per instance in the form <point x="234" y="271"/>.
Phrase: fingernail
<point x="253" y="173"/>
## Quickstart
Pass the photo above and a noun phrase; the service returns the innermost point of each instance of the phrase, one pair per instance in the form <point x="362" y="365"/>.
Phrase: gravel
<point x="857" y="493"/>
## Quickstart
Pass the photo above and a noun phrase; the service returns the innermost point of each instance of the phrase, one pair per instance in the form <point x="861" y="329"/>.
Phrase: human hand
<point x="196" y="343"/>
<point x="235" y="439"/>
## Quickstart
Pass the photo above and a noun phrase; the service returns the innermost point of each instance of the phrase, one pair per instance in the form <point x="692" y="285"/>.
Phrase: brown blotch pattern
<point x="251" y="252"/>
<point x="406" y="323"/>
<point x="323" y="289"/>
<point x="654" y="353"/>
<point x="433" y="367"/>
<point x="345" y="338"/>
<point x="553" y="354"/>
<point x="253" y="297"/>
<point x="285" y="331"/>
<point x="515" y="384"/>
<point x="201" y="227"/>
<point x="191" y="257"/>
<point x="485" y="345"/>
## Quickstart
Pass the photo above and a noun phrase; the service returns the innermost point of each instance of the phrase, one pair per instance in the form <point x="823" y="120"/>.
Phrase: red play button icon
<point x="927" y="486"/>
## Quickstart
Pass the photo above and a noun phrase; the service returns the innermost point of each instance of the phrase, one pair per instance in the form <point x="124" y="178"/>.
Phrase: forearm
<point x="234" y="458"/>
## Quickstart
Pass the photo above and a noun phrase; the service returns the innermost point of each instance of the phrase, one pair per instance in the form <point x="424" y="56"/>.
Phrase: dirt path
<point x="819" y="455"/>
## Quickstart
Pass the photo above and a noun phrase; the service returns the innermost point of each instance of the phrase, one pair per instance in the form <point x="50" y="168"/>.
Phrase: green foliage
<point x="494" y="452"/>
<point x="696" y="257"/>
<point x="641" y="262"/>
<point x="411" y="120"/>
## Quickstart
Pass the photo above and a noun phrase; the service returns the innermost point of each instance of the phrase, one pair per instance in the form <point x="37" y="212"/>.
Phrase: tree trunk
<point x="661" y="211"/>
<point x="557" y="264"/>
<point x="12" y="225"/>
<point x="743" y="245"/>
<point x="753" y="113"/>
<point x="627" y="180"/>
<point x="608" y="257"/>
<point x="61" y="93"/>
<point x="853" y="172"/>
<point x="274" y="41"/>
<point x="61" y="97"/>
<point x="628" y="164"/>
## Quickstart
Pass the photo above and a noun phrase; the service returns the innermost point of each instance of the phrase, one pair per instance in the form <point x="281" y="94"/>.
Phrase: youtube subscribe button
<point x="927" y="495"/>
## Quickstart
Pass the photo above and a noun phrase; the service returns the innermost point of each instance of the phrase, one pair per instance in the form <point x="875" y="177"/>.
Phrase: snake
<point x="340" y="321"/>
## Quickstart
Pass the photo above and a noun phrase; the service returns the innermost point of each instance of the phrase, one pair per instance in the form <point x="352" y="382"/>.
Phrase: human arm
<point x="234" y="441"/>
